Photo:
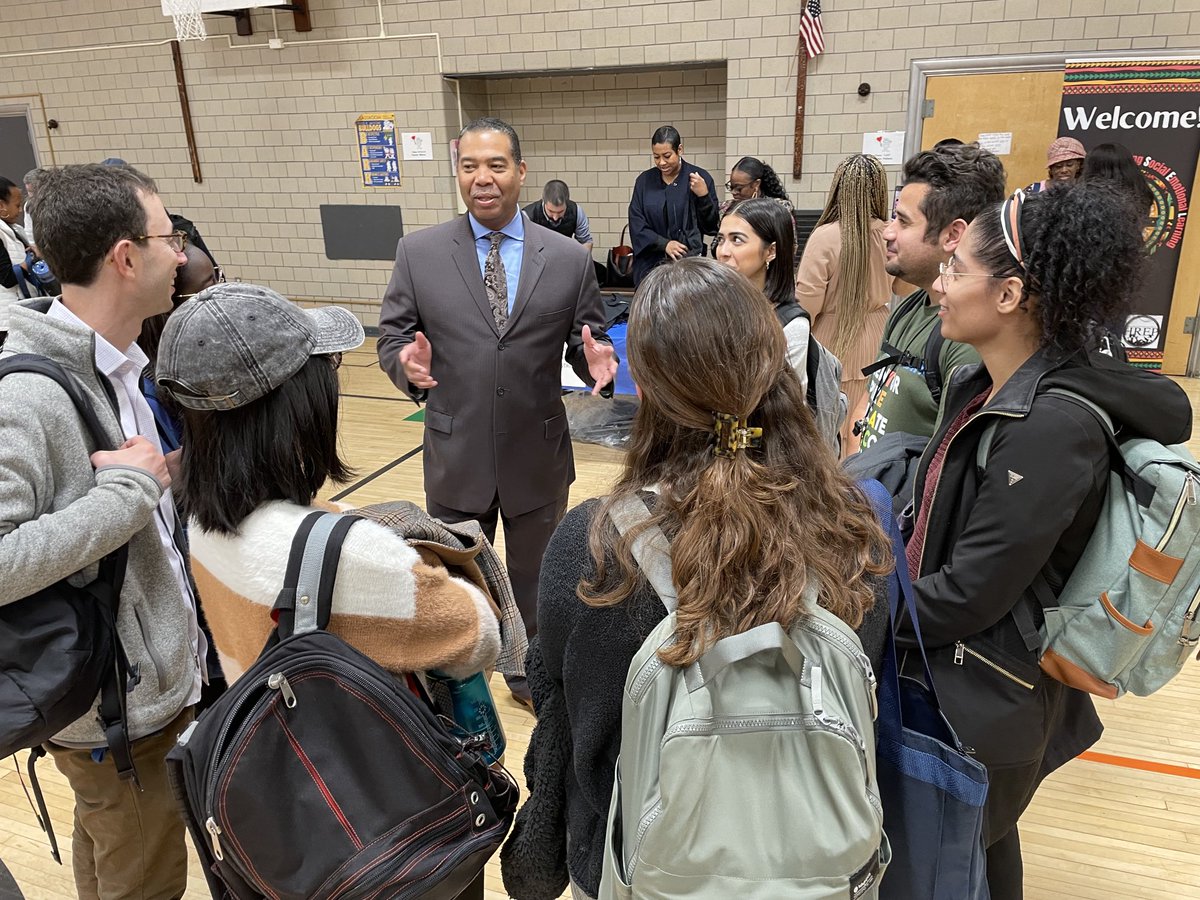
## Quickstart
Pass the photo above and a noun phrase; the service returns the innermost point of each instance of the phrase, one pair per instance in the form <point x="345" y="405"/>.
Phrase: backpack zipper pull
<point x="215" y="830"/>
<point x="1190" y="489"/>
<point x="278" y="682"/>
<point x="959" y="649"/>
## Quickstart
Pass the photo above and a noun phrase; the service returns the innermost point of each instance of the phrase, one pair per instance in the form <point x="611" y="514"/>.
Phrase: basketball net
<point x="189" y="23"/>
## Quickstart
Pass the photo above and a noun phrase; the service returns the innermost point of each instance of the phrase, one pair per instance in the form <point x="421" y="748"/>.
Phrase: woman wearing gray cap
<point x="256" y="377"/>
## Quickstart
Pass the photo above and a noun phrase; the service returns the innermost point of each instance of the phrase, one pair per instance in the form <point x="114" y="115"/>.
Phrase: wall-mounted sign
<point x="417" y="144"/>
<point x="377" y="149"/>
<point x="1152" y="107"/>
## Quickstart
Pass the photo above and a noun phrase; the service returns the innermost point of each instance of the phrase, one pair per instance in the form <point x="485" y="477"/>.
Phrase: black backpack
<point x="321" y="775"/>
<point x="59" y="648"/>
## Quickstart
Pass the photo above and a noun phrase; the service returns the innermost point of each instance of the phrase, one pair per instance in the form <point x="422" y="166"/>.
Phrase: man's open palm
<point x="601" y="359"/>
<point x="417" y="359"/>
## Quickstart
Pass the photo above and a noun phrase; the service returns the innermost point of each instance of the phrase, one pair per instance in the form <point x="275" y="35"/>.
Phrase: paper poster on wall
<point x="888" y="146"/>
<point x="417" y="144"/>
<point x="999" y="142"/>
<point x="377" y="149"/>
<point x="1150" y="106"/>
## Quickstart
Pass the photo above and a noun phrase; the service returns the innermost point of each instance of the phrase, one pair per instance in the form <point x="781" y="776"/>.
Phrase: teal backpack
<point x="751" y="773"/>
<point x="1126" y="620"/>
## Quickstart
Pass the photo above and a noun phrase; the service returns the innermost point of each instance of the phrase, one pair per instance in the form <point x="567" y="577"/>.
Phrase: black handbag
<point x="620" y="264"/>
<point x="319" y="774"/>
<point x="59" y="647"/>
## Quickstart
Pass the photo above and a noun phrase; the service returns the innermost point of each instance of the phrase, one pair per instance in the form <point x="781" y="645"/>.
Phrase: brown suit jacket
<point x="496" y="421"/>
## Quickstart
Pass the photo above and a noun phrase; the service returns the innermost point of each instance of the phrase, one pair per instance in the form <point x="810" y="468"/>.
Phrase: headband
<point x="1010" y="224"/>
<point x="733" y="435"/>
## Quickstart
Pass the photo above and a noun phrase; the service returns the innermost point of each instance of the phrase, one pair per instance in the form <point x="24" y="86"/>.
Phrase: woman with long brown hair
<point x="842" y="282"/>
<point x="748" y="531"/>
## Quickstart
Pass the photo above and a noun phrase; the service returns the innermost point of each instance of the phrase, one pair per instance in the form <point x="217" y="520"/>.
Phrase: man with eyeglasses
<point x="106" y="235"/>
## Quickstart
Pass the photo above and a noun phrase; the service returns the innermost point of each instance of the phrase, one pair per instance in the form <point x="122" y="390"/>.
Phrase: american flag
<point x="810" y="28"/>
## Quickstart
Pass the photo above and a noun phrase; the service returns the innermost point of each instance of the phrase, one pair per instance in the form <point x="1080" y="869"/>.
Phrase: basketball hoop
<point x="189" y="23"/>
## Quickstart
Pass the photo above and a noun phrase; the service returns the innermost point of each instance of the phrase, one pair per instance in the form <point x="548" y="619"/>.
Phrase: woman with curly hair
<point x="842" y="281"/>
<point x="748" y="531"/>
<point x="992" y="544"/>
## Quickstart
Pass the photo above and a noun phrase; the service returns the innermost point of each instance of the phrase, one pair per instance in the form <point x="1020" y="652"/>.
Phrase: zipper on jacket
<point x="151" y="651"/>
<point x="933" y="500"/>
<point x="1187" y="497"/>
<point x="960" y="648"/>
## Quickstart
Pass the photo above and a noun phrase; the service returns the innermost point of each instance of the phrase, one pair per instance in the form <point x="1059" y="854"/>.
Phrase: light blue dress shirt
<point x="512" y="249"/>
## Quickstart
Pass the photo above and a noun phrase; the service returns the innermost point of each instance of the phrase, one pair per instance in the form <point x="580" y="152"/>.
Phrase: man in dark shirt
<point x="558" y="212"/>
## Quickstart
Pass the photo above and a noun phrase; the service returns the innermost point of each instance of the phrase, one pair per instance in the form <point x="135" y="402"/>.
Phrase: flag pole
<point x="801" y="90"/>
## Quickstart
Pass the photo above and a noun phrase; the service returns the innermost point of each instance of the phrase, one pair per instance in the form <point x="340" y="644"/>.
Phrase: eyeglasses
<point x="946" y="270"/>
<point x="176" y="240"/>
<point x="738" y="188"/>
<point x="335" y="360"/>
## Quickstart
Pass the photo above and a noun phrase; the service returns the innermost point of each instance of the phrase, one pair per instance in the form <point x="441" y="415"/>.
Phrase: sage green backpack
<point x="1126" y="618"/>
<point x="750" y="774"/>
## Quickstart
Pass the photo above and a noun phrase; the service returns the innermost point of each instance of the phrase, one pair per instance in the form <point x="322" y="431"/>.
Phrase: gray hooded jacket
<point x="59" y="517"/>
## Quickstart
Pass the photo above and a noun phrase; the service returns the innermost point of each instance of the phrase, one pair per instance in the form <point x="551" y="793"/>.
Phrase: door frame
<point x="23" y="104"/>
<point x="922" y="70"/>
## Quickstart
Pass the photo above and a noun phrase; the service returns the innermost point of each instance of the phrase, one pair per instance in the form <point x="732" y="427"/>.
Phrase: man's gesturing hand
<point x="601" y="359"/>
<point x="417" y="359"/>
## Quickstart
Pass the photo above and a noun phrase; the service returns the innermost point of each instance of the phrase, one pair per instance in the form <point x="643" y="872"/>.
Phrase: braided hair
<point x="857" y="196"/>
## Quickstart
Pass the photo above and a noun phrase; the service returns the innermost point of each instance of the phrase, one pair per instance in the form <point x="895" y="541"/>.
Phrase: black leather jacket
<point x="992" y="532"/>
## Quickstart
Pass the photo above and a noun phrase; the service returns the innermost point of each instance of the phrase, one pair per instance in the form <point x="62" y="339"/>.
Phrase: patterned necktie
<point x="495" y="281"/>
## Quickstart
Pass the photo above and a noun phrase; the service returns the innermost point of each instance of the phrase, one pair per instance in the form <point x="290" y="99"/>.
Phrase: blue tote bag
<point x="932" y="790"/>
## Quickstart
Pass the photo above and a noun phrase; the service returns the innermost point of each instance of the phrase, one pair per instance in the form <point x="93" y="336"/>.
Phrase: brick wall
<point x="593" y="132"/>
<point x="275" y="128"/>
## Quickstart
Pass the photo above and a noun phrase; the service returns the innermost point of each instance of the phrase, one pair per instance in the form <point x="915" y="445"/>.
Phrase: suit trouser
<point x="127" y="844"/>
<point x="525" y="540"/>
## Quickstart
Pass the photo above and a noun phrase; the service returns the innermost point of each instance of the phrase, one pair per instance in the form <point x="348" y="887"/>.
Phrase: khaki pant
<point x="127" y="844"/>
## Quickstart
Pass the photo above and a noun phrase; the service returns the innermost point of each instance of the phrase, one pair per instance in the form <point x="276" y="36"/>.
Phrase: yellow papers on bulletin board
<point x="377" y="150"/>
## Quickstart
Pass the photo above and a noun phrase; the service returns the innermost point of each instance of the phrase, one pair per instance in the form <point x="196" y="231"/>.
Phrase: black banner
<point x="1153" y="108"/>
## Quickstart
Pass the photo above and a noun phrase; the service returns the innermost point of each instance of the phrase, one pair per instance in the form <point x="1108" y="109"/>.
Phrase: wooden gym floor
<point x="1123" y="822"/>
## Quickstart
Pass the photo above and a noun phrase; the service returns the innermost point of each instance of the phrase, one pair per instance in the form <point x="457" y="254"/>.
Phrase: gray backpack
<point x="1126" y="618"/>
<point x="750" y="774"/>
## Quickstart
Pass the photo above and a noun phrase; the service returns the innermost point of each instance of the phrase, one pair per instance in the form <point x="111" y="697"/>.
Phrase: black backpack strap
<point x="893" y="355"/>
<point x="933" y="361"/>
<point x="788" y="313"/>
<point x="40" y="365"/>
<point x="306" y="600"/>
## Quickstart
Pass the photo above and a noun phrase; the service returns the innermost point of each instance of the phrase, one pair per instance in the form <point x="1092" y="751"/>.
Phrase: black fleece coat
<point x="576" y="668"/>
<point x="992" y="532"/>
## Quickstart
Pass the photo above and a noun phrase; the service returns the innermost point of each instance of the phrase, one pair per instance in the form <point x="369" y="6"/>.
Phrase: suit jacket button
<point x="500" y="392"/>
<point x="501" y="346"/>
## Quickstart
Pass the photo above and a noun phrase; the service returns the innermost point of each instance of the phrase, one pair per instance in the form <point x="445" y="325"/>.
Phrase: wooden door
<point x="1023" y="103"/>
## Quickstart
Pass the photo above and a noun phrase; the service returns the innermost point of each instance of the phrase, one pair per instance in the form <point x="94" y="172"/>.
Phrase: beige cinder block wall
<point x="593" y="132"/>
<point x="275" y="127"/>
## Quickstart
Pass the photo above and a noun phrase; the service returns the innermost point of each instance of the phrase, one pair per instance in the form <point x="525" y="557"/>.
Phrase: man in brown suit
<point x="474" y="322"/>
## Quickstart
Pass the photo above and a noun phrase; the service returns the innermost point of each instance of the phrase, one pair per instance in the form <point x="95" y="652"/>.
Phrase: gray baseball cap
<point x="233" y="343"/>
